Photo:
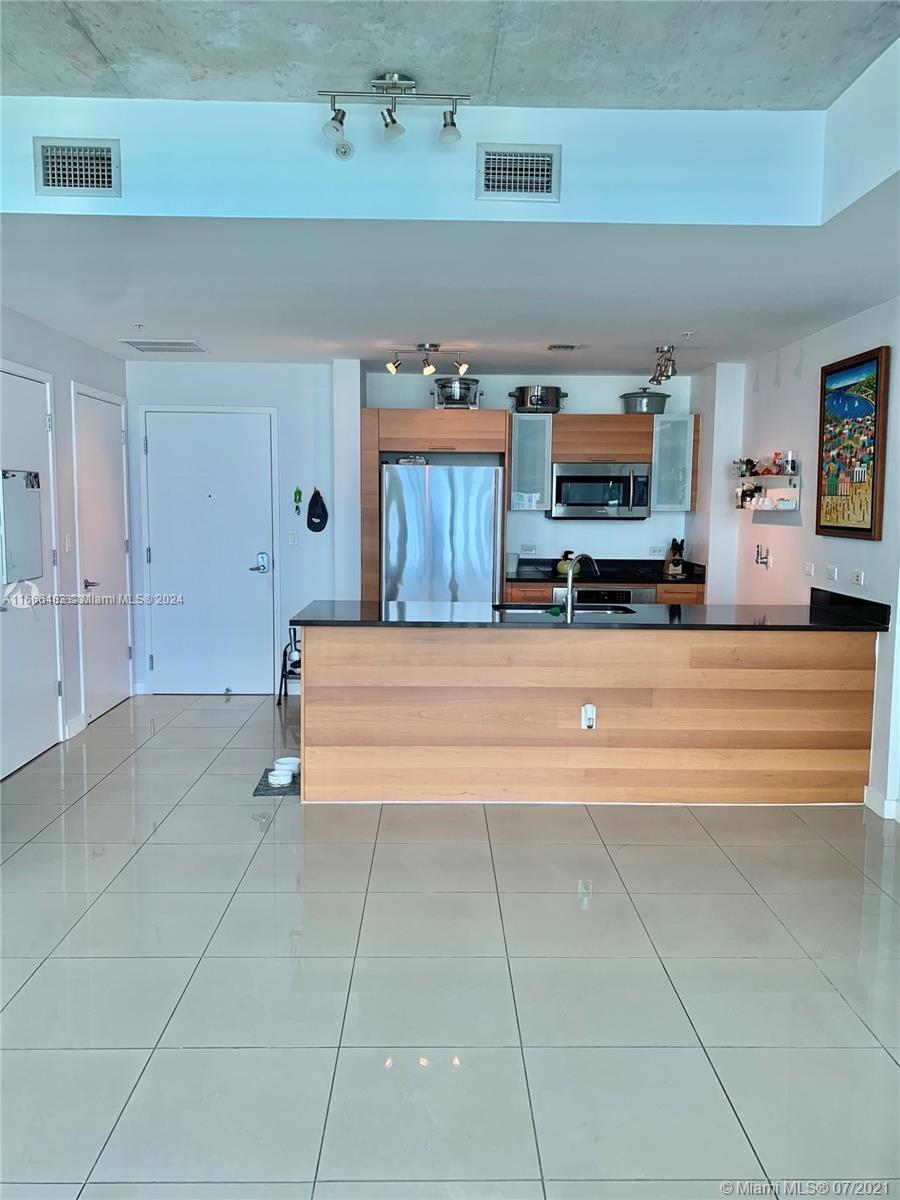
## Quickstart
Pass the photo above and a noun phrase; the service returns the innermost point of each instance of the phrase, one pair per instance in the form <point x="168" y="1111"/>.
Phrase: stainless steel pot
<point x="645" y="401"/>
<point x="453" y="391"/>
<point x="538" y="398"/>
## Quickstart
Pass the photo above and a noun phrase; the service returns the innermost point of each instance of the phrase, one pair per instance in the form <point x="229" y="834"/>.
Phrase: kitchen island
<point x="415" y="702"/>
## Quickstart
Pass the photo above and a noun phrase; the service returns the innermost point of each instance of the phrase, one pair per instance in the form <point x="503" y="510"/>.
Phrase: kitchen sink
<point x="530" y="610"/>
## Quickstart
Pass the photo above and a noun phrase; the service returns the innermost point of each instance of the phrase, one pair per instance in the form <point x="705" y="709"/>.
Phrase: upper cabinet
<point x="530" y="462"/>
<point x="435" y="429"/>
<point x="673" y="482"/>
<point x="602" y="437"/>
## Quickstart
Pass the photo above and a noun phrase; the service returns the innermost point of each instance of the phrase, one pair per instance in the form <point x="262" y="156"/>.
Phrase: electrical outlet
<point x="588" y="716"/>
<point x="292" y="537"/>
<point x="857" y="577"/>
<point x="657" y="552"/>
<point x="527" y="550"/>
<point x="831" y="572"/>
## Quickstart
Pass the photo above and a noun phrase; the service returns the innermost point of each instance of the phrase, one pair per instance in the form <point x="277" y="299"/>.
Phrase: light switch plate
<point x="657" y="552"/>
<point x="809" y="569"/>
<point x="292" y="537"/>
<point x="527" y="550"/>
<point x="831" y="572"/>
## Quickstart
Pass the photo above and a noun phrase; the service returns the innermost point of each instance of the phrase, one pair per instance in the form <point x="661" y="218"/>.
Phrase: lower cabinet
<point x="680" y="593"/>
<point x="529" y="593"/>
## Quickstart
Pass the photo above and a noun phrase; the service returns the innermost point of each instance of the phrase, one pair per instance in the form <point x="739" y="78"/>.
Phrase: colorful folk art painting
<point x="852" y="428"/>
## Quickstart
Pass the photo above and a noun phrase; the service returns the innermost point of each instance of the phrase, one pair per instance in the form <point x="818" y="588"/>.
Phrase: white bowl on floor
<point x="279" y="778"/>
<point x="288" y="764"/>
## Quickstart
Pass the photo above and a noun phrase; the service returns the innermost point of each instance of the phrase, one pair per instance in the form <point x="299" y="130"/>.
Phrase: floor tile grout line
<point x="690" y="1021"/>
<point x="337" y="1053"/>
<point x="512" y="988"/>
<point x="808" y="955"/>
<point x="167" y="1023"/>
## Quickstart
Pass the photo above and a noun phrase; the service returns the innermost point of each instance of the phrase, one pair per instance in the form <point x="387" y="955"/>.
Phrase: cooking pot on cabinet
<point x="538" y="398"/>
<point x="645" y="401"/>
<point x="452" y="391"/>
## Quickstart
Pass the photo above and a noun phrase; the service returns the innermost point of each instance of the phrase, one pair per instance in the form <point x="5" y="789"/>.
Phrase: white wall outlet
<point x="831" y="572"/>
<point x="858" y="577"/>
<point x="292" y="537"/>
<point x="588" y="716"/>
<point x="809" y="569"/>
<point x="657" y="552"/>
<point x="527" y="550"/>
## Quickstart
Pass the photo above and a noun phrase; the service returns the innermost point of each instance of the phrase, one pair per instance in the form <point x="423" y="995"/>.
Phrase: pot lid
<point x="643" y="392"/>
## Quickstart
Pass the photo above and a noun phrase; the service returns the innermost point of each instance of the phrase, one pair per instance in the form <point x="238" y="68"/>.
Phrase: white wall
<point x="641" y="165"/>
<point x="31" y="344"/>
<point x="782" y="412"/>
<point x="717" y="396"/>
<point x="586" y="393"/>
<point x="302" y="396"/>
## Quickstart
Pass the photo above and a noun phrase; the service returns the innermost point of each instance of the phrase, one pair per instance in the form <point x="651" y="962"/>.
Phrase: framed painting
<point x="852" y="440"/>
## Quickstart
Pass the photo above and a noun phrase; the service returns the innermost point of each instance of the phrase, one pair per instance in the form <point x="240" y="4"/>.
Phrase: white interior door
<point x="209" y="531"/>
<point x="29" y="702"/>
<point x="102" y="527"/>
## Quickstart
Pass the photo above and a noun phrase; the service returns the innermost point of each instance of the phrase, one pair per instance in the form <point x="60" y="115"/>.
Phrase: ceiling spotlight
<point x="334" y="126"/>
<point x="461" y="367"/>
<point x="392" y="127"/>
<point x="428" y="348"/>
<point x="394" y="365"/>
<point x="428" y="367"/>
<point x="665" y="365"/>
<point x="449" y="133"/>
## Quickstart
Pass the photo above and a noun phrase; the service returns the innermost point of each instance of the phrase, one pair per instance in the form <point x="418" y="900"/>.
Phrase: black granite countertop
<point x="606" y="570"/>
<point x="826" y="614"/>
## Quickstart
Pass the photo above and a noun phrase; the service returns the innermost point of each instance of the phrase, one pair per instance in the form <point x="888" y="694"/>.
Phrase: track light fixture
<point x="665" y="365"/>
<point x="392" y="127"/>
<point x="428" y="348"/>
<point x="334" y="126"/>
<point x="395" y="86"/>
<point x="461" y="366"/>
<point x="449" y="133"/>
<point x="394" y="365"/>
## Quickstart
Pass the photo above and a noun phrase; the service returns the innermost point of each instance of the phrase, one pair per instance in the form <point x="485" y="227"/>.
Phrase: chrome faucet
<point x="570" y="586"/>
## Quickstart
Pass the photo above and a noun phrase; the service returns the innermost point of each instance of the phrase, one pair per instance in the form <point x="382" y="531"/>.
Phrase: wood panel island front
<point x="696" y="704"/>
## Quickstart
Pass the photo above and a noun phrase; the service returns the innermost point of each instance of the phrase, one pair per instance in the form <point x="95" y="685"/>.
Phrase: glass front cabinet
<point x="673" y="446"/>
<point x="530" y="467"/>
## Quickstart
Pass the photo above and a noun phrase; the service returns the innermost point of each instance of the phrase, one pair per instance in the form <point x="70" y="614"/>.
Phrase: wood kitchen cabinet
<point x="529" y="593"/>
<point x="602" y="437"/>
<point x="680" y="593"/>
<point x="420" y="430"/>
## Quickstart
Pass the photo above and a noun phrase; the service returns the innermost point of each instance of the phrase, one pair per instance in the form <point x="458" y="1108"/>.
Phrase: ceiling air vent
<point x="148" y="346"/>
<point x="566" y="347"/>
<point x="77" y="167"/>
<point x="511" y="172"/>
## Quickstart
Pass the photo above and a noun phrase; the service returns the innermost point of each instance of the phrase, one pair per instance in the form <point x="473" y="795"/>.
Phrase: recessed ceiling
<point x="309" y="291"/>
<point x="546" y="53"/>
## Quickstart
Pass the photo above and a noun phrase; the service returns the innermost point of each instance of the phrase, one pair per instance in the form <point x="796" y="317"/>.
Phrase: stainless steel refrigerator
<point x="441" y="533"/>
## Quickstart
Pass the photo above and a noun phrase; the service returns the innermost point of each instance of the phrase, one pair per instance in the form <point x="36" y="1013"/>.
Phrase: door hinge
<point x="123" y="437"/>
<point x="148" y="554"/>
<point x="53" y="559"/>
<point x="127" y="546"/>
<point x="151" y="662"/>
<point x="145" y="443"/>
<point x="130" y="654"/>
<point x="59" y="687"/>
<point x="49" y="422"/>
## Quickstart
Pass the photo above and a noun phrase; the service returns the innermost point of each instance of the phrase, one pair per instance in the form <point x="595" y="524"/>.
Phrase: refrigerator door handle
<point x="499" y="496"/>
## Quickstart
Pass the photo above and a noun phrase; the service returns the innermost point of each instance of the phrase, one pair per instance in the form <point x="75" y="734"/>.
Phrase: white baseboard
<point x="75" y="726"/>
<point x="879" y="803"/>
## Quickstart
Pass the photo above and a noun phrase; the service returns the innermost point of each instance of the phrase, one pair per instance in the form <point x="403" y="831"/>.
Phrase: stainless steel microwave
<point x="597" y="491"/>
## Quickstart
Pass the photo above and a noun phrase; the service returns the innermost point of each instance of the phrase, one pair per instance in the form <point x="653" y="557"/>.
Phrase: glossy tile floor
<point x="209" y="996"/>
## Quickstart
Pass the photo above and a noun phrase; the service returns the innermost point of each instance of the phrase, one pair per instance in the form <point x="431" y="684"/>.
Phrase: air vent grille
<point x="77" y="167"/>
<point x="518" y="172"/>
<point x="148" y="346"/>
<point x="566" y="347"/>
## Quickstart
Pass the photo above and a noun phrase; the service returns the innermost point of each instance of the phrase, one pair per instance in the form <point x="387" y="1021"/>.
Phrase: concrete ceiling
<point x="545" y="53"/>
<point x="295" y="291"/>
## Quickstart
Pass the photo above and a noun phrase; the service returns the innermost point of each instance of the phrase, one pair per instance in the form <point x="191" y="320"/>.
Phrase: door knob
<point x="89" y="583"/>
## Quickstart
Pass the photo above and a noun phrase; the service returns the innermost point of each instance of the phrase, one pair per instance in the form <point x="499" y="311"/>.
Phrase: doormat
<point x="264" y="788"/>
